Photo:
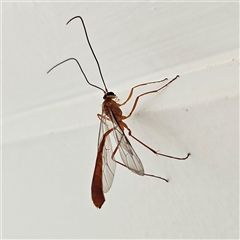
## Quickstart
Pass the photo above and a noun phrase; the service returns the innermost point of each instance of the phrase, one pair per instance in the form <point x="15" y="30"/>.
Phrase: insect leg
<point x="156" y="152"/>
<point x="140" y="85"/>
<point x="154" y="91"/>
<point x="145" y="174"/>
<point x="100" y="116"/>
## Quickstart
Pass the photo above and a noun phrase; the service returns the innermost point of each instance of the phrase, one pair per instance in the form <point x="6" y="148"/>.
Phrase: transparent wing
<point x="127" y="153"/>
<point x="109" y="166"/>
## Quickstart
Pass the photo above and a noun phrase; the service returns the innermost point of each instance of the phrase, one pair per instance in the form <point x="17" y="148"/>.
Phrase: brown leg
<point x="145" y="174"/>
<point x="161" y="154"/>
<point x="136" y="100"/>
<point x="143" y="84"/>
<point x="100" y="116"/>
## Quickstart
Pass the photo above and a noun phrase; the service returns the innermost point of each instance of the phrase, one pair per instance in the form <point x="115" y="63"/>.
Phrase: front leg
<point x="153" y="91"/>
<point x="140" y="85"/>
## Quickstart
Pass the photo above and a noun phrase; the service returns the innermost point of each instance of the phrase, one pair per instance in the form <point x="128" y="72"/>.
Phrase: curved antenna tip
<point x="74" y="18"/>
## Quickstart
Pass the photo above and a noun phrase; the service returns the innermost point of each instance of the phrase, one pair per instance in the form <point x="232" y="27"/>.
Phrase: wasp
<point x="112" y="123"/>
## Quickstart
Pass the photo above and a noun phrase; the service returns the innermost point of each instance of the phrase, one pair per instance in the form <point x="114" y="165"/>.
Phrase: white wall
<point x="50" y="126"/>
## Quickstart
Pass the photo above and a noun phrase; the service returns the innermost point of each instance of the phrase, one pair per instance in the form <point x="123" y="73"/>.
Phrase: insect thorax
<point x="110" y="105"/>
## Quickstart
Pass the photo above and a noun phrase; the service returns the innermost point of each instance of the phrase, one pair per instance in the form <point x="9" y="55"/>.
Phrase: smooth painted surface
<point x="50" y="126"/>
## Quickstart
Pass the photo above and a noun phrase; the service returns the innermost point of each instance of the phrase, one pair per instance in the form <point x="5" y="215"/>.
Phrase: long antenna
<point x="85" y="30"/>
<point x="69" y="59"/>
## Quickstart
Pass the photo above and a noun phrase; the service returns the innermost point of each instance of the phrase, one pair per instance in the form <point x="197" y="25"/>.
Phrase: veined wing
<point x="109" y="165"/>
<point x="127" y="153"/>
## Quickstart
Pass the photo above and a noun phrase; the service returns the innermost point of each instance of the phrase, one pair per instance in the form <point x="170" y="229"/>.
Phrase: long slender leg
<point x="100" y="116"/>
<point x="156" y="152"/>
<point x="145" y="174"/>
<point x="139" y="85"/>
<point x="154" y="91"/>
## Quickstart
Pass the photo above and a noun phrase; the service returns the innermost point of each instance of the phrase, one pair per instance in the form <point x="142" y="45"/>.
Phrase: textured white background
<point x="50" y="126"/>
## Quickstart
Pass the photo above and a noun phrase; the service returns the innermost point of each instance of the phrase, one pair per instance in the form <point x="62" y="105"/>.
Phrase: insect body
<point x="112" y="122"/>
